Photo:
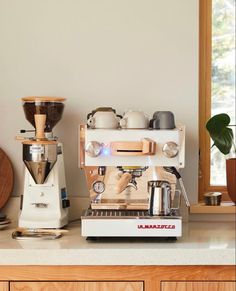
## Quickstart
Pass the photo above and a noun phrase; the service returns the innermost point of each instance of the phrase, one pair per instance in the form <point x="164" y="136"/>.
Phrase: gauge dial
<point x="98" y="187"/>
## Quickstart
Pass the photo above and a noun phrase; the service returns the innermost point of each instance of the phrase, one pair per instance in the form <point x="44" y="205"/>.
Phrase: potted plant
<point x="222" y="135"/>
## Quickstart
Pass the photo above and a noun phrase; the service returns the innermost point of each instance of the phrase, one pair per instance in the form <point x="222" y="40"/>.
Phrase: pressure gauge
<point x="98" y="187"/>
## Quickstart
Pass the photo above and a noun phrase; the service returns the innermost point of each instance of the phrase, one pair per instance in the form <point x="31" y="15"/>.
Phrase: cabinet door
<point x="198" y="286"/>
<point x="4" y="286"/>
<point x="76" y="286"/>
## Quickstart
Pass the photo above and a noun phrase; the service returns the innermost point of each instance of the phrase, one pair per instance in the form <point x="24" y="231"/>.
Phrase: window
<point x="217" y="85"/>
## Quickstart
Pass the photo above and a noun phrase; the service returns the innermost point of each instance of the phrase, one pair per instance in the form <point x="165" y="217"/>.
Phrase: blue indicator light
<point x="106" y="152"/>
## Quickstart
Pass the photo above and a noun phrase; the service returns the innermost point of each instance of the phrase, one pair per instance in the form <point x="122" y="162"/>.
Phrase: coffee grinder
<point x="44" y="203"/>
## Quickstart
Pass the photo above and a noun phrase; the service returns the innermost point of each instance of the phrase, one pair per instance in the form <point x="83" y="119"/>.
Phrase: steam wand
<point x="174" y="171"/>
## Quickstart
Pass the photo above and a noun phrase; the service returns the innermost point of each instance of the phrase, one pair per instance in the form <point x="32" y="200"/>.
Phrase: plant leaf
<point x="217" y="123"/>
<point x="224" y="142"/>
<point x="221" y="135"/>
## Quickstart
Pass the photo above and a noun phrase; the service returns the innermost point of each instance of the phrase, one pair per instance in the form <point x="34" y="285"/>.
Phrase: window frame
<point x="205" y="71"/>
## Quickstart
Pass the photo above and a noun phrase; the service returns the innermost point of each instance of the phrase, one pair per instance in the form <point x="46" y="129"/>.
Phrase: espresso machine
<point x="44" y="203"/>
<point x="131" y="175"/>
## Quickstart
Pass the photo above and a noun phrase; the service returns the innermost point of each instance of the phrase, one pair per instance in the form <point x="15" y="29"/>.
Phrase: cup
<point x="103" y="119"/>
<point x="213" y="198"/>
<point x="134" y="120"/>
<point x="162" y="120"/>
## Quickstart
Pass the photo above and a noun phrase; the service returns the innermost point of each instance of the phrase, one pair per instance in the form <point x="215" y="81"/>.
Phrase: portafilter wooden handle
<point x="123" y="182"/>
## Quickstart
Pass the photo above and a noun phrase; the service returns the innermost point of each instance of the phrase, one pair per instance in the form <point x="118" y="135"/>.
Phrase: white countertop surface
<point x="202" y="243"/>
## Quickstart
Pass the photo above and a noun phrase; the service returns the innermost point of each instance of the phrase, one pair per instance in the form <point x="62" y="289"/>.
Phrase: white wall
<point x="139" y="54"/>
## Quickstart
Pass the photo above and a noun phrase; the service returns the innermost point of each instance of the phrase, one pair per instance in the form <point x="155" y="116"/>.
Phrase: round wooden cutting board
<point x="6" y="178"/>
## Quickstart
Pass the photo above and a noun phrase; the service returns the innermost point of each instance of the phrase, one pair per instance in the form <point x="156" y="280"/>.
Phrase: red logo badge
<point x="156" y="226"/>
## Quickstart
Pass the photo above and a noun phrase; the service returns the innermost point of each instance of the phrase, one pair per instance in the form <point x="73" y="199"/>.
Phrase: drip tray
<point x="129" y="223"/>
<point x="122" y="214"/>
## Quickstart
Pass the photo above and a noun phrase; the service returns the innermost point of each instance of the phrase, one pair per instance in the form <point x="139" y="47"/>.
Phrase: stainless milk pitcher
<point x="160" y="198"/>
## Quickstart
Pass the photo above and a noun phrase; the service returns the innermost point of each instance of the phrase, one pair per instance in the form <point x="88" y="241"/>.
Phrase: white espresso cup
<point x="134" y="120"/>
<point x="103" y="119"/>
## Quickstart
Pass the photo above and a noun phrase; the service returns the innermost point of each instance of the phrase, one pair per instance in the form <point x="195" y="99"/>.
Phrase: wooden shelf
<point x="224" y="208"/>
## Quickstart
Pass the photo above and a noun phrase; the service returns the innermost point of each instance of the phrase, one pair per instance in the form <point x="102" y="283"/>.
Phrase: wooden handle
<point x="149" y="146"/>
<point x="40" y="120"/>
<point x="20" y="138"/>
<point x="133" y="148"/>
<point x="123" y="182"/>
<point x="81" y="148"/>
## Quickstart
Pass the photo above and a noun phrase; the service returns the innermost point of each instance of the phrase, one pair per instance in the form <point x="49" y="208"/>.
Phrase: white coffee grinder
<point x="44" y="203"/>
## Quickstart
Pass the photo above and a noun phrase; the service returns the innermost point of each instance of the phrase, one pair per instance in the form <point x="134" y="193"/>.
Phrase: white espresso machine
<point x="44" y="203"/>
<point x="131" y="177"/>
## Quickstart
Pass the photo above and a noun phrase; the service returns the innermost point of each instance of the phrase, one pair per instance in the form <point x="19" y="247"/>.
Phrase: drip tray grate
<point x="115" y="213"/>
